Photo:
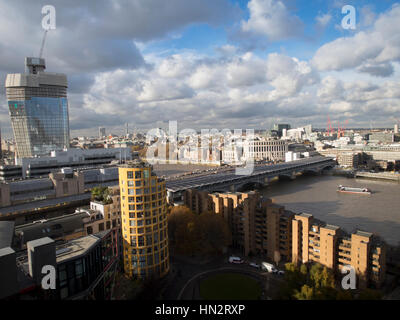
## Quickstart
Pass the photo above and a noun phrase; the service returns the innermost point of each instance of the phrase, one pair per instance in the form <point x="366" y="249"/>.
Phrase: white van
<point x="235" y="260"/>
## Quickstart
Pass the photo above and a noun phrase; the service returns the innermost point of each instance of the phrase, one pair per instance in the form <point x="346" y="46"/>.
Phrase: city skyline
<point x="235" y="64"/>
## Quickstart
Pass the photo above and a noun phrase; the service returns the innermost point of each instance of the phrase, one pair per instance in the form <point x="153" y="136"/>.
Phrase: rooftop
<point x="75" y="248"/>
<point x="135" y="164"/>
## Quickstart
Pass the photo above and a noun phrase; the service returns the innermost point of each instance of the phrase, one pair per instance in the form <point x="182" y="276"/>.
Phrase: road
<point x="185" y="273"/>
<point x="225" y="175"/>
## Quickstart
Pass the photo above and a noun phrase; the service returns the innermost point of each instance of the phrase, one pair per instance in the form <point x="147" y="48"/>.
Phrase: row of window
<point x="149" y="239"/>
<point x="147" y="222"/>
<point x="146" y="211"/>
<point x="141" y="230"/>
<point x="140" y="190"/>
<point x="157" y="196"/>
<point x="147" y="272"/>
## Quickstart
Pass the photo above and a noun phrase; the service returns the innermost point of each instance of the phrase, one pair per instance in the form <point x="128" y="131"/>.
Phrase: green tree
<point x="306" y="293"/>
<point x="102" y="194"/>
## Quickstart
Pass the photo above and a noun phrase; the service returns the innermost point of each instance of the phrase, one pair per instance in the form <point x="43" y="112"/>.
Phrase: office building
<point x="102" y="132"/>
<point x="85" y="268"/>
<point x="315" y="241"/>
<point x="278" y="128"/>
<point x="38" y="108"/>
<point x="265" y="149"/>
<point x="98" y="217"/>
<point x="349" y="159"/>
<point x="73" y="158"/>
<point x="144" y="220"/>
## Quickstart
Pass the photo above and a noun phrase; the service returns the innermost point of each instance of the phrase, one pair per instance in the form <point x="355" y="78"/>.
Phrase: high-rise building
<point x="38" y="108"/>
<point x="144" y="220"/>
<point x="102" y="132"/>
<point x="278" y="127"/>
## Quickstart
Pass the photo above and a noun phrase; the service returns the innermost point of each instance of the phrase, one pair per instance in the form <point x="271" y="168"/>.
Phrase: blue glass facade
<point x="40" y="125"/>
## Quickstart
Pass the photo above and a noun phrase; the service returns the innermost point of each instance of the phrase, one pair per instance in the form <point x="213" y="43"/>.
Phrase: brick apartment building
<point x="262" y="227"/>
<point x="258" y="225"/>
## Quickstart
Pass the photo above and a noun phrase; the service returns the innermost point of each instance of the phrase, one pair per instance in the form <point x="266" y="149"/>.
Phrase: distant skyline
<point x="211" y="64"/>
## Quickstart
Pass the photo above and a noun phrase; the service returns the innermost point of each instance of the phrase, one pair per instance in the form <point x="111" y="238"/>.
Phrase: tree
<point x="102" y="194"/>
<point x="306" y="293"/>
<point x="214" y="233"/>
<point x="189" y="233"/>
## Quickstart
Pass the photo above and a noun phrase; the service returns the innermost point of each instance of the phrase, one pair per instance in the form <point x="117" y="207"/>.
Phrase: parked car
<point x="235" y="260"/>
<point x="254" y="265"/>
<point x="269" y="267"/>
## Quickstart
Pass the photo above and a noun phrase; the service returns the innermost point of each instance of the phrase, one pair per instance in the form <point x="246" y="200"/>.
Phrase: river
<point x="378" y="213"/>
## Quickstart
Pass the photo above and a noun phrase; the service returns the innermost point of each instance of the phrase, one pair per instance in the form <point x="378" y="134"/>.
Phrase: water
<point x="378" y="213"/>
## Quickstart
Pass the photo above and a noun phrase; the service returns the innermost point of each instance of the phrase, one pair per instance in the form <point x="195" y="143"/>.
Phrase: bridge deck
<point x="188" y="182"/>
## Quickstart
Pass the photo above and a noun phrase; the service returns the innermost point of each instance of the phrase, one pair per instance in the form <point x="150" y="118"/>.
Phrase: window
<point x="141" y="241"/>
<point x="138" y="175"/>
<point x="65" y="187"/>
<point x="131" y="191"/>
<point x="89" y="230"/>
<point x="131" y="183"/>
<point x="130" y="175"/>
<point x="101" y="226"/>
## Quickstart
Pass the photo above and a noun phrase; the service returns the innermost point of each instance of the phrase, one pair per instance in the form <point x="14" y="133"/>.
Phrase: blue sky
<point x="204" y="38"/>
<point x="221" y="63"/>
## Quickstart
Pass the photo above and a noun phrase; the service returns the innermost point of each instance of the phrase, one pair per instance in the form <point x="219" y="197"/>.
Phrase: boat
<point x="353" y="190"/>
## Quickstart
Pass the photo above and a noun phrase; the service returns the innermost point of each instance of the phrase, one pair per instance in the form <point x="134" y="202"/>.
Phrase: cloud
<point x="323" y="20"/>
<point x="377" y="69"/>
<point x="371" y="50"/>
<point x="271" y="18"/>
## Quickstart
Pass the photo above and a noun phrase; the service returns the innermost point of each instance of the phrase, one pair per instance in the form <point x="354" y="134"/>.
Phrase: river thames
<point x="378" y="213"/>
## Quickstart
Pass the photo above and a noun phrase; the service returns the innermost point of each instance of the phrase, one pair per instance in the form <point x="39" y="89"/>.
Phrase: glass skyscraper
<point x="38" y="108"/>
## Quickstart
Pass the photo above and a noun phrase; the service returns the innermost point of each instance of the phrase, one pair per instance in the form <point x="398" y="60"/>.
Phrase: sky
<point x="211" y="64"/>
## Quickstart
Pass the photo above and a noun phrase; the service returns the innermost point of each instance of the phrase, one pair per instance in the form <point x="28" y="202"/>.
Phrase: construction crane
<point x="43" y="42"/>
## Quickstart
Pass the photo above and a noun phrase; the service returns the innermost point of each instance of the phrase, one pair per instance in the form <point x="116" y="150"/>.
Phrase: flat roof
<point x="331" y="227"/>
<point x="75" y="248"/>
<point x="6" y="233"/>
<point x="363" y="233"/>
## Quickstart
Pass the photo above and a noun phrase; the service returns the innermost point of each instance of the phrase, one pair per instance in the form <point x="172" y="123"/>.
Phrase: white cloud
<point x="371" y="50"/>
<point x="323" y="20"/>
<point x="272" y="19"/>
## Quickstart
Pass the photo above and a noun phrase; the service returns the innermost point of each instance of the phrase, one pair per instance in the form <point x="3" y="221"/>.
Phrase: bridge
<point x="229" y="181"/>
